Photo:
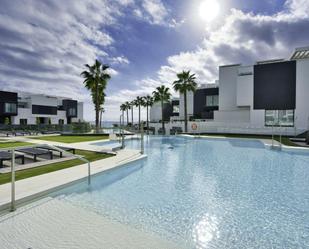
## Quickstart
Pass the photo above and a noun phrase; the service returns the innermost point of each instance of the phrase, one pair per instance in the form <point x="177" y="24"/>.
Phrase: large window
<point x="212" y="100"/>
<point x="72" y="112"/>
<point x="279" y="117"/>
<point x="10" y="108"/>
<point x="175" y="108"/>
<point x="23" y="121"/>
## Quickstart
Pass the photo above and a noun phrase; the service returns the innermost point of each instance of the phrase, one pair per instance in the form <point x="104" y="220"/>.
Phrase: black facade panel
<point x="167" y="111"/>
<point x="10" y="97"/>
<point x="44" y="110"/>
<point x="275" y="86"/>
<point x="7" y="97"/>
<point x="175" y="103"/>
<point x="200" y="110"/>
<point x="68" y="104"/>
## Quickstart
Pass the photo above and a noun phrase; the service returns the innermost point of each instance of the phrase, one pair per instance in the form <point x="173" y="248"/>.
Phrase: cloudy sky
<point x="45" y="43"/>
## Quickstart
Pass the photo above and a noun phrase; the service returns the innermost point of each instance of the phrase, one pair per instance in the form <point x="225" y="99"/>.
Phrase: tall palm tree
<point x="96" y="78"/>
<point x="148" y="101"/>
<point x="132" y="103"/>
<point x="139" y="101"/>
<point x="185" y="83"/>
<point x="101" y="115"/>
<point x="162" y="94"/>
<point x="123" y="108"/>
<point x="128" y="107"/>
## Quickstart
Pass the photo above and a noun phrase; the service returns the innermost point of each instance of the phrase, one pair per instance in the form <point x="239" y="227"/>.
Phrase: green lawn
<point x="71" y="139"/>
<point x="13" y="144"/>
<point x="284" y="140"/>
<point x="22" y="174"/>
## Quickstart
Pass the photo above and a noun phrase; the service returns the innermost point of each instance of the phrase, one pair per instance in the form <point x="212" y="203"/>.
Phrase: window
<point x="23" y="121"/>
<point x="279" y="117"/>
<point x="212" y="100"/>
<point x="10" y="108"/>
<point x="175" y="108"/>
<point x="61" y="121"/>
<point x="72" y="112"/>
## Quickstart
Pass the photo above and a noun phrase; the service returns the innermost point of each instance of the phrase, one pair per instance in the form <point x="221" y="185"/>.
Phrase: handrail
<point x="13" y="194"/>
<point x="142" y="138"/>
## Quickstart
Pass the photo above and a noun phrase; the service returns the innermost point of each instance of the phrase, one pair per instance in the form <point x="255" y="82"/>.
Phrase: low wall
<point x="228" y="128"/>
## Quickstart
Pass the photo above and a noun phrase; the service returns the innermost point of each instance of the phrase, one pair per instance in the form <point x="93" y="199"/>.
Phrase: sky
<point x="44" y="44"/>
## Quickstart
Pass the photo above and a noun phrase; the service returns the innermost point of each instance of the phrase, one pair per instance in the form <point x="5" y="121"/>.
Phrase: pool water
<point x="206" y="193"/>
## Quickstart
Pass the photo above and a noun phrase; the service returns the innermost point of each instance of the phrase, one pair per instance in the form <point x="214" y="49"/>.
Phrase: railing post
<point x="280" y="134"/>
<point x="142" y="138"/>
<point x="89" y="174"/>
<point x="122" y="133"/>
<point x="13" y="206"/>
<point x="272" y="135"/>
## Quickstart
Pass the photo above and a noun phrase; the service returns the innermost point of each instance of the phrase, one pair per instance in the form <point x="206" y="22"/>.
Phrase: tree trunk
<point x="132" y="116"/>
<point x="147" y="121"/>
<point x="101" y="119"/>
<point x="139" y="117"/>
<point x="127" y="117"/>
<point x="186" y="115"/>
<point x="97" y="107"/>
<point x="163" y="128"/>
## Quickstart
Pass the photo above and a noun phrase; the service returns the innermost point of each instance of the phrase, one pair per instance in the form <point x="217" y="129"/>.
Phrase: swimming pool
<point x="206" y="193"/>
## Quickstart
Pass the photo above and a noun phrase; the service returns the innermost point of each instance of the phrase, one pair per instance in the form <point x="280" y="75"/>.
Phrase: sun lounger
<point x="45" y="147"/>
<point x="36" y="152"/>
<point x="7" y="156"/>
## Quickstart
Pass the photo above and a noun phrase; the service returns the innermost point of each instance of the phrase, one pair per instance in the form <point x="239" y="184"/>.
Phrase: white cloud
<point x="156" y="11"/>
<point x="120" y="60"/>
<point x="241" y="38"/>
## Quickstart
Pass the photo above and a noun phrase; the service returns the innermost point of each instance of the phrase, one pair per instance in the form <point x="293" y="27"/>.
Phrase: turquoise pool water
<point x="206" y="193"/>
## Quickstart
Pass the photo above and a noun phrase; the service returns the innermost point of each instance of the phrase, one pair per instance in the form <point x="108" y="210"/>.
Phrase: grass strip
<point x="22" y="174"/>
<point x="71" y="139"/>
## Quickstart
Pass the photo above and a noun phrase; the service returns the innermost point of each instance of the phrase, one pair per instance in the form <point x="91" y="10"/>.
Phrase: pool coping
<point x="39" y="186"/>
<point x="266" y="142"/>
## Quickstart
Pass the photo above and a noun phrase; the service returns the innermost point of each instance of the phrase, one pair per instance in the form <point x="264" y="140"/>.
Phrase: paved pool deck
<point x="36" y="186"/>
<point x="49" y="223"/>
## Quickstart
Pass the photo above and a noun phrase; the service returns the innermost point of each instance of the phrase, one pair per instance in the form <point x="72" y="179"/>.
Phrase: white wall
<point x="302" y="94"/>
<point x="155" y="112"/>
<point x="190" y="103"/>
<point x="44" y="100"/>
<point x="237" y="116"/>
<point x="245" y="90"/>
<point x="26" y="113"/>
<point x="228" y="88"/>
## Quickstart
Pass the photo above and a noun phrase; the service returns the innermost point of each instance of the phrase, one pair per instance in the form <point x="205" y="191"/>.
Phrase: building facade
<point x="269" y="93"/>
<point x="170" y="111"/>
<point x="267" y="97"/>
<point x="29" y="109"/>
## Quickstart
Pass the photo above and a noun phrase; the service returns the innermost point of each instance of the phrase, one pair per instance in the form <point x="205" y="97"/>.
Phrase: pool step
<point x="54" y="223"/>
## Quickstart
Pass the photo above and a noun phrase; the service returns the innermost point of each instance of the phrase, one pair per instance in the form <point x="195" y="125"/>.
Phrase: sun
<point x="209" y="9"/>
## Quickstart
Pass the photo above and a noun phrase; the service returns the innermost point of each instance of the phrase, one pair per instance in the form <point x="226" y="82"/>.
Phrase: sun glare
<point x="209" y="9"/>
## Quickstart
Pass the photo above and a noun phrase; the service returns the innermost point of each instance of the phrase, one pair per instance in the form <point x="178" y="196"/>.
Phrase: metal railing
<point x="13" y="180"/>
<point x="142" y="138"/>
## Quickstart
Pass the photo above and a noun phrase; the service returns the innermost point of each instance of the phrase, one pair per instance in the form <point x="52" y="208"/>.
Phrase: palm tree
<point x="132" y="103"/>
<point x="148" y="101"/>
<point x="101" y="115"/>
<point x="162" y="94"/>
<point x="128" y="107"/>
<point x="96" y="78"/>
<point x="139" y="101"/>
<point x="185" y="83"/>
<point x="123" y="108"/>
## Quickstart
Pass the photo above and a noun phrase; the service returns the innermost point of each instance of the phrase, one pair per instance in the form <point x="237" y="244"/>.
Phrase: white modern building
<point x="170" y="111"/>
<point x="267" y="97"/>
<point x="28" y="109"/>
<point x="269" y="94"/>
